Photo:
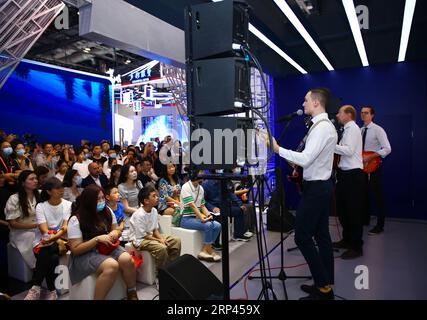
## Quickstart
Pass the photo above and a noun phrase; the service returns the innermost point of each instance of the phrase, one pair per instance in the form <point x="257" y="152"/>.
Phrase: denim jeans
<point x="210" y="229"/>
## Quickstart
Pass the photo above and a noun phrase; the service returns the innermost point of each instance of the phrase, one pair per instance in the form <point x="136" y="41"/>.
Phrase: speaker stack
<point x="218" y="75"/>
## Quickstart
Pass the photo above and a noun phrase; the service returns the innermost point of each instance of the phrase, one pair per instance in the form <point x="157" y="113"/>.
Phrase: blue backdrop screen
<point x="56" y="105"/>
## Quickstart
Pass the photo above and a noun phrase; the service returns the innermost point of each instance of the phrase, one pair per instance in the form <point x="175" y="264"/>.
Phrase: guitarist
<point x="350" y="185"/>
<point x="375" y="140"/>
<point x="312" y="218"/>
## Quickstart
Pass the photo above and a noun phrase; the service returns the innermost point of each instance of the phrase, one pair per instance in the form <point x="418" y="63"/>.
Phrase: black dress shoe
<point x="351" y="254"/>
<point x="340" y="244"/>
<point x="308" y="288"/>
<point x="318" y="295"/>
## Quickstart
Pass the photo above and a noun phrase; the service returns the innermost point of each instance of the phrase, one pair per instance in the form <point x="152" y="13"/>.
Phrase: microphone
<point x="290" y="116"/>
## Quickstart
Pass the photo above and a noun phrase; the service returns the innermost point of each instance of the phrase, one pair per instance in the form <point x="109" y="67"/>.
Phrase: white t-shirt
<point x="60" y="176"/>
<point x="190" y="194"/>
<point x="53" y="216"/>
<point x="142" y="223"/>
<point x="82" y="168"/>
<point x="74" y="231"/>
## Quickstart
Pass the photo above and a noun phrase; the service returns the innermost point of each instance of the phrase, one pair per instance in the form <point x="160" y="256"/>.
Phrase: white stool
<point x="85" y="290"/>
<point x="146" y="273"/>
<point x="191" y="240"/>
<point x="165" y="224"/>
<point x="17" y="268"/>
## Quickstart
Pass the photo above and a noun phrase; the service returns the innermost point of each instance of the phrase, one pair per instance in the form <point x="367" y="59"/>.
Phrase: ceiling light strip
<point x="287" y="11"/>
<point x="406" y="28"/>
<point x="350" y="10"/>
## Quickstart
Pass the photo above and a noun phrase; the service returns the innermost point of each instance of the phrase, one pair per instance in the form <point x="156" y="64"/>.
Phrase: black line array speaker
<point x="219" y="86"/>
<point x="212" y="28"/>
<point x="220" y="143"/>
<point x="187" y="278"/>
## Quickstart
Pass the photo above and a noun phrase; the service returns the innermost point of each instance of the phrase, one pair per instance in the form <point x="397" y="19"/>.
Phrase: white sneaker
<point x="248" y="234"/>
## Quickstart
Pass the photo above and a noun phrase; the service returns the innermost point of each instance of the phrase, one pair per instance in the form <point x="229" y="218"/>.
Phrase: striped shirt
<point x="189" y="195"/>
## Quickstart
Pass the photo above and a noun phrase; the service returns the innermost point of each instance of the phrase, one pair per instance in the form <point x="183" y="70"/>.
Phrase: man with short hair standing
<point x="312" y="217"/>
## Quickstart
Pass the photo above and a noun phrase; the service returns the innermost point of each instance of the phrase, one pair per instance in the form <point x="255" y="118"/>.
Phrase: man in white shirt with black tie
<point x="374" y="138"/>
<point x="350" y="185"/>
<point x="312" y="218"/>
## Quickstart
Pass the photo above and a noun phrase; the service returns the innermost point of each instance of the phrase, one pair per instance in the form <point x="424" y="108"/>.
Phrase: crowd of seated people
<point x="92" y="196"/>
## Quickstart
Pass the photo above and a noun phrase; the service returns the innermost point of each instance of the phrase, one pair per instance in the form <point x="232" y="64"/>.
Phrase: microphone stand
<point x="282" y="206"/>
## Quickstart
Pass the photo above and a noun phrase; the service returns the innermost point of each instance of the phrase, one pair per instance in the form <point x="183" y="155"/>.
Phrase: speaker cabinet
<point x="217" y="84"/>
<point x="187" y="278"/>
<point x="212" y="28"/>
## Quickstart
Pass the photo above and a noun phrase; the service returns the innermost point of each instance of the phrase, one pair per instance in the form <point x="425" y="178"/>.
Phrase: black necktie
<point x="364" y="138"/>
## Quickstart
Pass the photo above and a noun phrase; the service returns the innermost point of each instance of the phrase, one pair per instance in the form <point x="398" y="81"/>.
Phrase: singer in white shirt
<point x="350" y="185"/>
<point x="312" y="218"/>
<point x="375" y="139"/>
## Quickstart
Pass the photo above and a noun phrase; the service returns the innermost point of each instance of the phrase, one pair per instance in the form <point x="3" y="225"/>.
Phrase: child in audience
<point x="112" y="196"/>
<point x="52" y="215"/>
<point x="144" y="230"/>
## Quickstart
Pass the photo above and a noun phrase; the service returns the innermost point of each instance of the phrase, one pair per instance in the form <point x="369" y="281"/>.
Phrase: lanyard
<point x="5" y="166"/>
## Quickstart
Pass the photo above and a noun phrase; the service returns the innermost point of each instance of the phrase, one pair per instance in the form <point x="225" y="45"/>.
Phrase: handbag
<point x="176" y="217"/>
<point x="107" y="249"/>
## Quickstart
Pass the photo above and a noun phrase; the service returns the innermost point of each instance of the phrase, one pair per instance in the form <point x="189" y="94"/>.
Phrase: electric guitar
<point x="372" y="165"/>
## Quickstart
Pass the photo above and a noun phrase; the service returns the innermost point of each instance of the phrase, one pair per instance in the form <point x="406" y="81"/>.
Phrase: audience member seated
<point x="112" y="196"/>
<point x="82" y="163"/>
<point x="62" y="169"/>
<point x="105" y="146"/>
<point x="106" y="168"/>
<point x="130" y="159"/>
<point x="48" y="158"/>
<point x="129" y="188"/>
<point x="6" y="163"/>
<point x="115" y="174"/>
<point x="95" y="177"/>
<point x="169" y="190"/>
<point x="52" y="213"/>
<point x="196" y="216"/>
<point x="20" y="212"/>
<point x="72" y="182"/>
<point x="42" y="174"/>
<point x="215" y="201"/>
<point x="21" y="161"/>
<point x="144" y="230"/>
<point x="93" y="240"/>
<point x="97" y="156"/>
<point x="146" y="173"/>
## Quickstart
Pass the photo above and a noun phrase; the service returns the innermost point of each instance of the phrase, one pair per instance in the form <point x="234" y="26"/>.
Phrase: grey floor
<point x="396" y="261"/>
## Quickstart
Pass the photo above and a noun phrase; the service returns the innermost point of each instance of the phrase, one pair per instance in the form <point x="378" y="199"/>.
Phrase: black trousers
<point x="374" y="190"/>
<point x="350" y="199"/>
<point x="47" y="260"/>
<point x="312" y="220"/>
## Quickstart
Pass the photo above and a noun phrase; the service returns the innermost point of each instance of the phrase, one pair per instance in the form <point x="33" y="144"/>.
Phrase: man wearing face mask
<point x="95" y="177"/>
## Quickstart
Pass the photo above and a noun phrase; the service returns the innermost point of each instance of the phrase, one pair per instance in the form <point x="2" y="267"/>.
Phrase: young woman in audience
<point x="52" y="215"/>
<point x="22" y="162"/>
<point x="150" y="152"/>
<point x="196" y="216"/>
<point x="20" y="212"/>
<point x="62" y="169"/>
<point x="169" y="190"/>
<point x="91" y="228"/>
<point x="72" y="182"/>
<point x="129" y="187"/>
<point x="115" y="174"/>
